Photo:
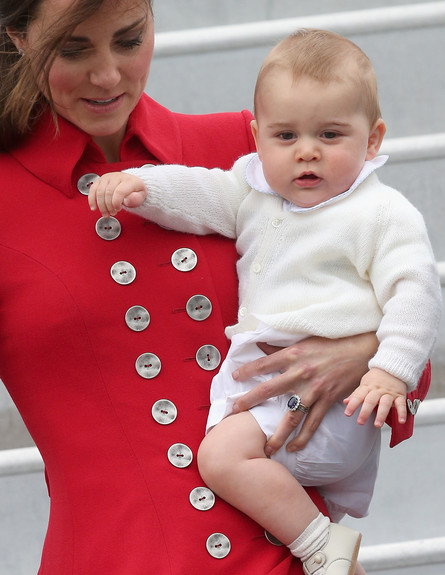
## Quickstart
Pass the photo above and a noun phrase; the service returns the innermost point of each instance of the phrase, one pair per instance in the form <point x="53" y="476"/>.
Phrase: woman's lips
<point x="103" y="104"/>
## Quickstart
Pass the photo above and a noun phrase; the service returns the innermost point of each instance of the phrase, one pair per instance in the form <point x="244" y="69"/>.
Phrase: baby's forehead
<point x="305" y="102"/>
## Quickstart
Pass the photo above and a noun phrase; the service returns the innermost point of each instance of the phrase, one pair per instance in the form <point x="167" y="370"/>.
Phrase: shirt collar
<point x="254" y="176"/>
<point x="152" y="136"/>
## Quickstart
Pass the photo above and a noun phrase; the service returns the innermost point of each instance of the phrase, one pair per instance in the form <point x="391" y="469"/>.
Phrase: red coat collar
<point x="152" y="134"/>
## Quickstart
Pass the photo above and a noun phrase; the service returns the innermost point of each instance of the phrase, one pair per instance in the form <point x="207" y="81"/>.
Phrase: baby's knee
<point x="213" y="460"/>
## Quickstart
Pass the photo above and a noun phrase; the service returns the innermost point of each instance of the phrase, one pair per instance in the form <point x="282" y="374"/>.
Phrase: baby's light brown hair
<point x="325" y="57"/>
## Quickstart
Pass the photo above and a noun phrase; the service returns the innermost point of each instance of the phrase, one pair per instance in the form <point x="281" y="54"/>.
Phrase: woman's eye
<point x="131" y="43"/>
<point x="71" y="52"/>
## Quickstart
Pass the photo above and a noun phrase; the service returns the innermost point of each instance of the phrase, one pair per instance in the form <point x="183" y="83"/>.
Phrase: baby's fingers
<point x="369" y="401"/>
<point x="100" y="197"/>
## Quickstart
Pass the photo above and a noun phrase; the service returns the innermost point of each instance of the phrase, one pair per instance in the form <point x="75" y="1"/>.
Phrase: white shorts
<point x="341" y="459"/>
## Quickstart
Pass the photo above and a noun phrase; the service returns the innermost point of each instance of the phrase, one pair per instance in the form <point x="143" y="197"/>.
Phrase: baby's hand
<point x="113" y="190"/>
<point x="377" y="389"/>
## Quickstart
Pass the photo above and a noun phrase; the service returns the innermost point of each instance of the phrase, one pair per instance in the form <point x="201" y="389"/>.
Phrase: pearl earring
<point x="21" y="52"/>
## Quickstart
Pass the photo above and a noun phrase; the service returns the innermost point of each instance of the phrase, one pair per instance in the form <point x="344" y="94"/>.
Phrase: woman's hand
<point x="321" y="371"/>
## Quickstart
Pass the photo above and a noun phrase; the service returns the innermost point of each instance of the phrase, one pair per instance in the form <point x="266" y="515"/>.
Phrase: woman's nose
<point x="105" y="73"/>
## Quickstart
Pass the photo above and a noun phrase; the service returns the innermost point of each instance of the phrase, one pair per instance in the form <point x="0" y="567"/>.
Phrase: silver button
<point x="242" y="311"/>
<point x="84" y="183"/>
<point x="137" y="318"/>
<point x="218" y="545"/>
<point x="184" y="259"/>
<point x="276" y="223"/>
<point x="108" y="228"/>
<point x="202" y="498"/>
<point x="208" y="357"/>
<point x="148" y="365"/>
<point x="272" y="539"/>
<point x="164" y="411"/>
<point x="180" y="455"/>
<point x="123" y="273"/>
<point x="199" y="307"/>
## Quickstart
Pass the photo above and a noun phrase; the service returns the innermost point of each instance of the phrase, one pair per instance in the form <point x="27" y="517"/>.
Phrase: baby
<point x="325" y="249"/>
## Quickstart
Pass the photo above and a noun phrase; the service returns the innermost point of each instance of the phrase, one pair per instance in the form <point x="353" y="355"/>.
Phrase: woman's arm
<point x="321" y="371"/>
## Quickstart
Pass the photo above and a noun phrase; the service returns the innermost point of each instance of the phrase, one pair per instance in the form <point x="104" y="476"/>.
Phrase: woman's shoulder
<point x="209" y="140"/>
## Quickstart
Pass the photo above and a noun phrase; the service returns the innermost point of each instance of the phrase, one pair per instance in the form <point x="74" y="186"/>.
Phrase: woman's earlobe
<point x="17" y="38"/>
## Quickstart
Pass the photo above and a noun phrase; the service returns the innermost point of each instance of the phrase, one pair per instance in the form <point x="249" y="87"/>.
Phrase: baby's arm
<point x="114" y="190"/>
<point x="377" y="389"/>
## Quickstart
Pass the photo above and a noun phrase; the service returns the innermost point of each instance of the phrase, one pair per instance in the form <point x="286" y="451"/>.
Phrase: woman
<point x="110" y="331"/>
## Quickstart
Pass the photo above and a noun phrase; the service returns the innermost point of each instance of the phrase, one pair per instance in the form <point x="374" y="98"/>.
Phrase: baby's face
<point x="312" y="138"/>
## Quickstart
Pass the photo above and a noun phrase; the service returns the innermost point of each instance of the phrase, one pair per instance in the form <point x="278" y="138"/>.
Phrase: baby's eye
<point x="286" y="136"/>
<point x="329" y="135"/>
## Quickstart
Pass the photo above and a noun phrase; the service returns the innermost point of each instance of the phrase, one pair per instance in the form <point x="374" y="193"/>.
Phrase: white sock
<point x="312" y="539"/>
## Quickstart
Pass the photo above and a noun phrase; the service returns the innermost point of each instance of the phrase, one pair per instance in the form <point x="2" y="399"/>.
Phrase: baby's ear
<point x="254" y="128"/>
<point x="375" y="139"/>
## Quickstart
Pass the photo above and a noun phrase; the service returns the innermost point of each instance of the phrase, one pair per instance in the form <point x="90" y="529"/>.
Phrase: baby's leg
<point x="232" y="462"/>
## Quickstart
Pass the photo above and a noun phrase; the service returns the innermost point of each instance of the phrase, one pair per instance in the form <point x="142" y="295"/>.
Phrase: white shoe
<point x="339" y="554"/>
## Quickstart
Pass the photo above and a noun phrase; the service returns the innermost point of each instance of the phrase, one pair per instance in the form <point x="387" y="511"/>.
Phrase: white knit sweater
<point x="357" y="265"/>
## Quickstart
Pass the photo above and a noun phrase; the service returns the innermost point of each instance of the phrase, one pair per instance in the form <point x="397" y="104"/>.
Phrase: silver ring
<point x="294" y="403"/>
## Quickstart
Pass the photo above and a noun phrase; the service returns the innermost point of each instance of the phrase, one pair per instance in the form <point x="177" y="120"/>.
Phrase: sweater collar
<point x="255" y="178"/>
<point x="152" y="136"/>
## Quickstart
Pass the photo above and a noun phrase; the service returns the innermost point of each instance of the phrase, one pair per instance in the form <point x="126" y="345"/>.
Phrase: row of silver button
<point x="148" y="365"/>
<point x="198" y="308"/>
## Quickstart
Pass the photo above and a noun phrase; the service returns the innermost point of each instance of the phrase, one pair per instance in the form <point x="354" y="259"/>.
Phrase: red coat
<point x="67" y="356"/>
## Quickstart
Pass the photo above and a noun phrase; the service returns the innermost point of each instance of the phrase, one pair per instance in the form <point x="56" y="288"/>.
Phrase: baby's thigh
<point x="237" y="437"/>
<point x="337" y="449"/>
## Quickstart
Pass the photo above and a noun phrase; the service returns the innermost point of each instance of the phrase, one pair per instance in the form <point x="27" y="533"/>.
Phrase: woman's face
<point x="99" y="75"/>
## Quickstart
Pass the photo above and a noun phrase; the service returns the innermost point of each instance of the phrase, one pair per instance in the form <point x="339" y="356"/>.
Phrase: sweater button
<point x="256" y="268"/>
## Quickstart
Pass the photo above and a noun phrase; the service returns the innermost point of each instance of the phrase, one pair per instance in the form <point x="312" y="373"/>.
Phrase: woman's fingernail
<point x="235" y="408"/>
<point x="235" y="374"/>
<point x="268" y="450"/>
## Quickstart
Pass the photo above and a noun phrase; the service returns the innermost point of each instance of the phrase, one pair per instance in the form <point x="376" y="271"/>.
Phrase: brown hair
<point x="326" y="57"/>
<point x="22" y="99"/>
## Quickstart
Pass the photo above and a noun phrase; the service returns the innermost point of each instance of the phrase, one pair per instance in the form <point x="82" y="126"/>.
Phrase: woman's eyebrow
<point x="130" y="27"/>
<point x="120" y="32"/>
